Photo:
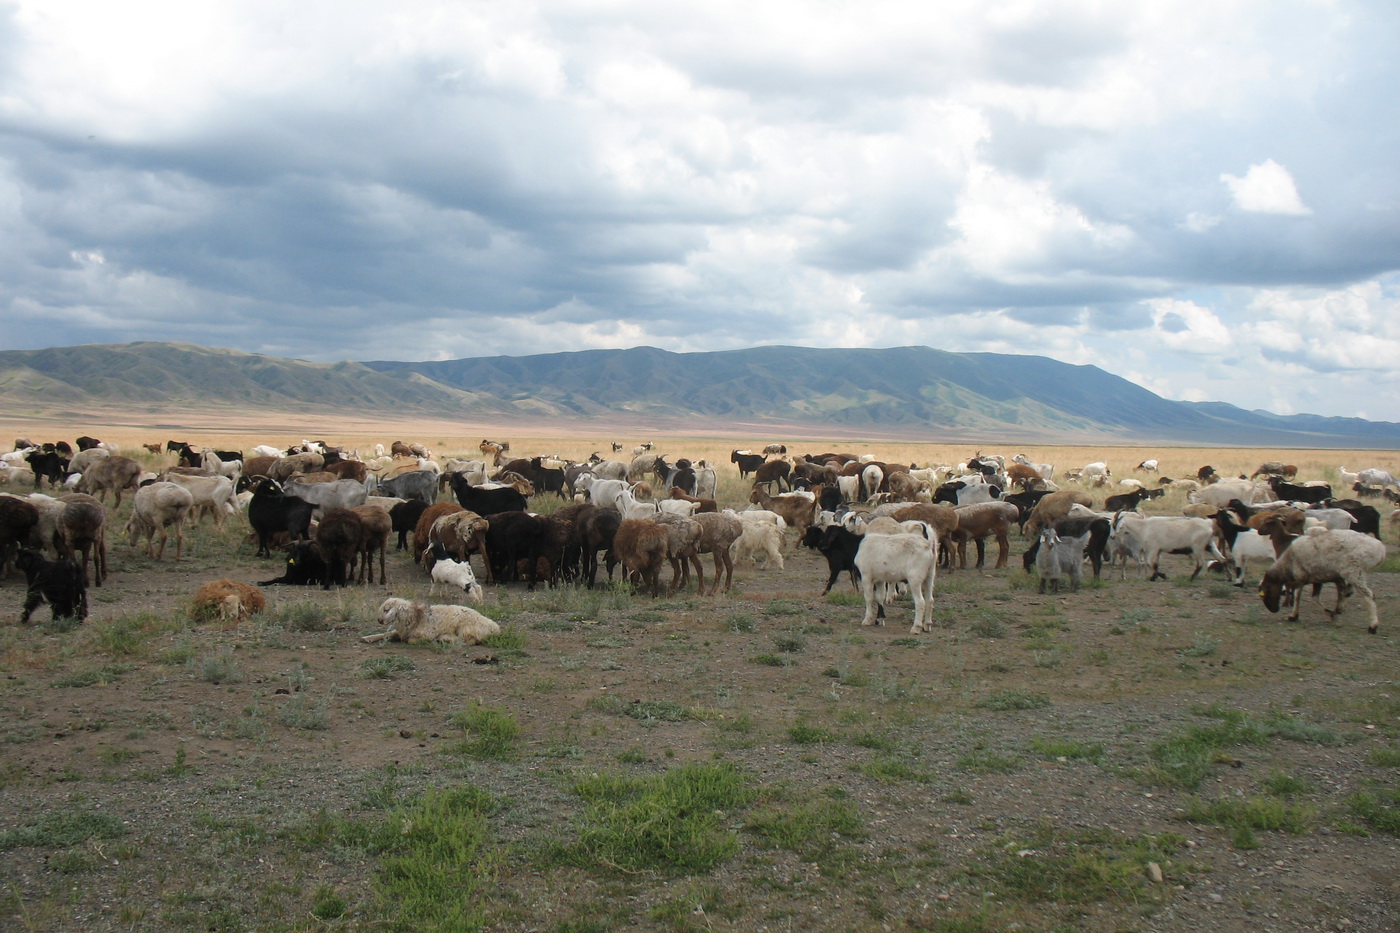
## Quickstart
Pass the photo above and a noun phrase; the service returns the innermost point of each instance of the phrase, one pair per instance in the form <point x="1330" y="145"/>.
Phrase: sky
<point x="1201" y="197"/>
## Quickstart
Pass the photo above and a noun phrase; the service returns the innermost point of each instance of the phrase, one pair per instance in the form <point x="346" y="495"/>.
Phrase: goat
<point x="83" y="528"/>
<point x="893" y="559"/>
<point x="1059" y="557"/>
<point x="642" y="546"/>
<point x="758" y="539"/>
<point x="60" y="583"/>
<point x="798" y="511"/>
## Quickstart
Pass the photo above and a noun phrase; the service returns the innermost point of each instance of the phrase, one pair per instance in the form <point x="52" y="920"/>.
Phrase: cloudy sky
<point x="1203" y="197"/>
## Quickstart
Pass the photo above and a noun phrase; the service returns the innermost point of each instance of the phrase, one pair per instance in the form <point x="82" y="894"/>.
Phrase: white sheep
<point x="885" y="561"/>
<point x="410" y="621"/>
<point x="1339" y="557"/>
<point x="759" y="539"/>
<point x="155" y="509"/>
<point x="448" y="572"/>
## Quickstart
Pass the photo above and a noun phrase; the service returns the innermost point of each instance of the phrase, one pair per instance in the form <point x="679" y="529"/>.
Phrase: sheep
<point x="412" y="621"/>
<point x="115" y="473"/>
<point x="683" y="535"/>
<point x="229" y="601"/>
<point x="1054" y="506"/>
<point x="60" y="583"/>
<point x="82" y="527"/>
<point x="86" y="458"/>
<point x="1153" y="536"/>
<point x="211" y="460"/>
<point x="212" y="494"/>
<point x="642" y="546"/>
<point x="596" y="531"/>
<point x="759" y="539"/>
<point x="448" y="572"/>
<point x="155" y="509"/>
<point x="377" y="526"/>
<point x="1059" y="557"/>
<point x="462" y="533"/>
<point x="18" y="519"/>
<point x="978" y="522"/>
<point x="1338" y="557"/>
<point x="1147" y="466"/>
<point x="339" y="537"/>
<point x="893" y="559"/>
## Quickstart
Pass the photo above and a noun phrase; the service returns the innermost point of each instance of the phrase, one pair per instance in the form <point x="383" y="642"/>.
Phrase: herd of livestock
<point x="890" y="526"/>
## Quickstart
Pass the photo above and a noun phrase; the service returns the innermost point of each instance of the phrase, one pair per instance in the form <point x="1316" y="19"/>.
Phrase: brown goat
<point x="642" y="546"/>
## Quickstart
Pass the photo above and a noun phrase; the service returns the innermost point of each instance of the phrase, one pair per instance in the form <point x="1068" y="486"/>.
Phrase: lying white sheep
<point x="448" y="572"/>
<point x="410" y="621"/>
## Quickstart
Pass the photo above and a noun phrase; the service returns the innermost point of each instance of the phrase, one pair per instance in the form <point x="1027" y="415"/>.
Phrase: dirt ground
<point x="1023" y="732"/>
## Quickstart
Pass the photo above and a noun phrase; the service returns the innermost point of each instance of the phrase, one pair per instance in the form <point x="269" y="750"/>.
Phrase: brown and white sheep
<point x="1340" y="557"/>
<point x="227" y="600"/>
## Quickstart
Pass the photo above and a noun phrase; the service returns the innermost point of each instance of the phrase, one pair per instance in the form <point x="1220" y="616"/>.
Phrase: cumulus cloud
<point x="1082" y="181"/>
<point x="1267" y="188"/>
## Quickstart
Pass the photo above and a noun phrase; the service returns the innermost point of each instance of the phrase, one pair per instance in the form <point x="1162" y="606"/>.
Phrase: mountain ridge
<point x="912" y="391"/>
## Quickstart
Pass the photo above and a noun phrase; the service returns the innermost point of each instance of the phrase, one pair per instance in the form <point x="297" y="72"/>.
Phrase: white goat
<point x="885" y="561"/>
<point x="1149" y="537"/>
<point x="759" y="539"/>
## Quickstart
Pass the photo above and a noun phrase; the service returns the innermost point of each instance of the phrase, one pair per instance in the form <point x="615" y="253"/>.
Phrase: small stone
<point x="1154" y="872"/>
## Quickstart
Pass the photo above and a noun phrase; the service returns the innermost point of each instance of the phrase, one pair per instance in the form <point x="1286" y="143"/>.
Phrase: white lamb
<point x="448" y="572"/>
<point x="1339" y="557"/>
<point x="410" y="621"/>
<point x="759" y="539"/>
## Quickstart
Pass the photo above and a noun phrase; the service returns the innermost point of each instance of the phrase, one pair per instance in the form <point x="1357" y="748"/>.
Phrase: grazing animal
<point x="60" y="583"/>
<point x="411" y="621"/>
<point x="886" y="560"/>
<point x="82" y="526"/>
<point x="1339" y="557"/>
<point x="155" y="509"/>
<point x="1059" y="557"/>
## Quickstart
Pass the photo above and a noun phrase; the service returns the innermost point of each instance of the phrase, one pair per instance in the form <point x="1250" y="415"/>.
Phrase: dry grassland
<point x="1134" y="756"/>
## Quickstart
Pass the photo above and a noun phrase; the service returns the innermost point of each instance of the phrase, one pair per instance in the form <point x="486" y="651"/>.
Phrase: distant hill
<point x="916" y="392"/>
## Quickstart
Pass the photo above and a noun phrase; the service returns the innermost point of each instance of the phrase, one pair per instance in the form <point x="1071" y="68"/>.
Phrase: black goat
<point x="1290" y="492"/>
<point x="404" y="518"/>
<point x="60" y="583"/>
<point x="748" y="463"/>
<point x="271" y="511"/>
<point x="50" y="465"/>
<point x="304" y="567"/>
<point x="838" y="545"/>
<point x="487" y="501"/>
<point x="1127" y="501"/>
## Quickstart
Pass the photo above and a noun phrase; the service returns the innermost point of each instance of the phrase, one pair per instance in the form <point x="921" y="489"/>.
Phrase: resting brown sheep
<point x="227" y="600"/>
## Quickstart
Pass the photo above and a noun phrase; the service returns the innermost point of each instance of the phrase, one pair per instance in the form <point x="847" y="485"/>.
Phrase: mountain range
<point x="912" y="392"/>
